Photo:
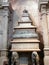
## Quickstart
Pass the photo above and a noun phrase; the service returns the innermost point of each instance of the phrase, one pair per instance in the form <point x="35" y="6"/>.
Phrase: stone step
<point x="20" y="31"/>
<point x="21" y="40"/>
<point x="3" y="50"/>
<point x="25" y="45"/>
<point x="25" y="27"/>
<point x="25" y="19"/>
<point x="25" y="23"/>
<point x="24" y="50"/>
<point x="25" y="35"/>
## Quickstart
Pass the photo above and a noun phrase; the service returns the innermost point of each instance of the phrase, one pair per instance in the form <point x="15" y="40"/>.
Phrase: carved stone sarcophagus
<point x="25" y="39"/>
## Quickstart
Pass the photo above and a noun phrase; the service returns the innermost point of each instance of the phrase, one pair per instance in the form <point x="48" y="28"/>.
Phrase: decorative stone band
<point x="3" y="49"/>
<point x="46" y="51"/>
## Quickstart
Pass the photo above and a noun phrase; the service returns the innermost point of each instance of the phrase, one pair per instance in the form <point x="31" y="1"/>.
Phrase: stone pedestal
<point x="46" y="56"/>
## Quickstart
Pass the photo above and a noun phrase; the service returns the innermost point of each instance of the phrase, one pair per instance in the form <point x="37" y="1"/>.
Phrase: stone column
<point x="5" y="28"/>
<point x="45" y="34"/>
<point x="3" y="35"/>
<point x="46" y="50"/>
<point x="44" y="25"/>
<point x="48" y="21"/>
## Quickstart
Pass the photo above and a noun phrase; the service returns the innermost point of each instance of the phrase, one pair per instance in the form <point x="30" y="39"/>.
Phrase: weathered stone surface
<point x="45" y="28"/>
<point x="27" y="46"/>
<point x="5" y="21"/>
<point x="24" y="31"/>
<point x="25" y="35"/>
<point x="46" y="59"/>
<point x="30" y="5"/>
<point x="4" y="13"/>
<point x="3" y="28"/>
<point x="3" y="59"/>
<point x="25" y="24"/>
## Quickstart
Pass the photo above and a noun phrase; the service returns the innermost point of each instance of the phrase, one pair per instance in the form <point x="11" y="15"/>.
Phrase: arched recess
<point x="35" y="23"/>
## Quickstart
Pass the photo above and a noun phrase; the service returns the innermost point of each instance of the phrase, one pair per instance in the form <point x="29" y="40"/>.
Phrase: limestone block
<point x="25" y="24"/>
<point x="27" y="46"/>
<point x="24" y="31"/>
<point x="25" y="35"/>
<point x="5" y="26"/>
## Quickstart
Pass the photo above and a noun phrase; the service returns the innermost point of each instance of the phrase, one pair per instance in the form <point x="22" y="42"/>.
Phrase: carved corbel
<point x="35" y="58"/>
<point x="15" y="58"/>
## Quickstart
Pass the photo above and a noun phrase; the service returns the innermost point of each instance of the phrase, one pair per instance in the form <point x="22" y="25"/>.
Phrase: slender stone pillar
<point x="46" y="50"/>
<point x="4" y="13"/>
<point x="5" y="27"/>
<point x="44" y="25"/>
<point x="3" y="34"/>
<point x="45" y="34"/>
<point x="48" y="21"/>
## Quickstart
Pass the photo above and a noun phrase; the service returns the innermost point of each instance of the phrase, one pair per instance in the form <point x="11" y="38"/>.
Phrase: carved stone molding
<point x="46" y="51"/>
<point x="41" y="4"/>
<point x="43" y="10"/>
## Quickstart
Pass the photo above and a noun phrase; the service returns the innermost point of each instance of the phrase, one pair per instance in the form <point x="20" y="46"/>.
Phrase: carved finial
<point x="25" y="11"/>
